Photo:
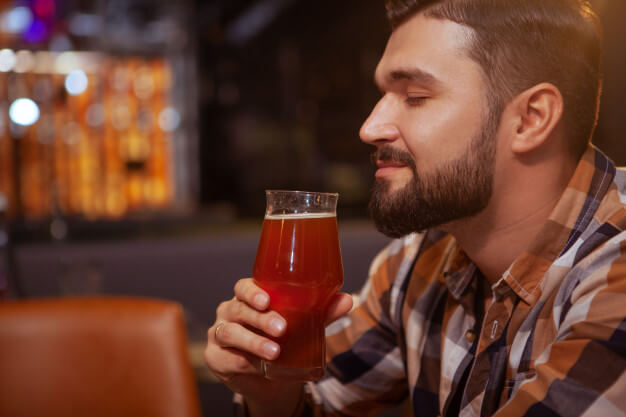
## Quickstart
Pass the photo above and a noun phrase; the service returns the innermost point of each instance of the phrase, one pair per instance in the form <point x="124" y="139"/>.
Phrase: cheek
<point x="506" y="164"/>
<point x="441" y="131"/>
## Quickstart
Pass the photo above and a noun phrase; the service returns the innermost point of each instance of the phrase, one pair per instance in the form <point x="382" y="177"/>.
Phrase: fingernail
<point x="270" y="350"/>
<point x="260" y="300"/>
<point x="277" y="325"/>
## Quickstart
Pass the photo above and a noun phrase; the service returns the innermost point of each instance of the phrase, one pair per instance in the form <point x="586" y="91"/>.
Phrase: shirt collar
<point x="458" y="272"/>
<point x="569" y="219"/>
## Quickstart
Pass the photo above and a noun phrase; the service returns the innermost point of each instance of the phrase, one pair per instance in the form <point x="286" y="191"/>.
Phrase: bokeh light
<point x="7" y="60"/>
<point x="24" y="61"/>
<point x="76" y="82"/>
<point x="17" y="20"/>
<point x="24" y="112"/>
<point x="169" y="119"/>
<point x="66" y="62"/>
<point x="95" y="115"/>
<point x="37" y="31"/>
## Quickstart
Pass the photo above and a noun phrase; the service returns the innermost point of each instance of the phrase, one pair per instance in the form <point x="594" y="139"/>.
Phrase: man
<point x="506" y="294"/>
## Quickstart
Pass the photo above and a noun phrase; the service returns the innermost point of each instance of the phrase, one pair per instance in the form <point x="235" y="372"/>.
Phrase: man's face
<point x="434" y="135"/>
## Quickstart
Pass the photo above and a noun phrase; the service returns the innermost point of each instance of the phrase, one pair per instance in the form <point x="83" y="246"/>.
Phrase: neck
<point x="515" y="215"/>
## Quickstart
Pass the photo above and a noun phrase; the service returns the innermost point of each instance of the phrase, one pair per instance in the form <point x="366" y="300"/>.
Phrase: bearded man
<point x="505" y="292"/>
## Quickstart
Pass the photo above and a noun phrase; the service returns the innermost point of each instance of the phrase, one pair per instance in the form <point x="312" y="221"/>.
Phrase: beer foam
<point x="299" y="216"/>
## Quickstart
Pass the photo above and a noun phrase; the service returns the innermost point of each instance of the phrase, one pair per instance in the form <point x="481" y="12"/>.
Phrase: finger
<point x="340" y="304"/>
<point x="236" y="336"/>
<point x="268" y="322"/>
<point x="226" y="362"/>
<point x="247" y="291"/>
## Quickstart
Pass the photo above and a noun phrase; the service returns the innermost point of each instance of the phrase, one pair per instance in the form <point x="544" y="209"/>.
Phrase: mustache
<point x="387" y="153"/>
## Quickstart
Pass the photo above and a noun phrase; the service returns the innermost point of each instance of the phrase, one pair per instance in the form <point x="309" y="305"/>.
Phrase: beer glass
<point x="298" y="263"/>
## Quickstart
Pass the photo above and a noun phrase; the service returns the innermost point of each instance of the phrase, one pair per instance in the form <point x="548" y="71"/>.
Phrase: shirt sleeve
<point x="366" y="365"/>
<point x="583" y="373"/>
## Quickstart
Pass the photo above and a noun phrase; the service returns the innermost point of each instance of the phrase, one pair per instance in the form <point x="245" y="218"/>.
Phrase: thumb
<point x="340" y="304"/>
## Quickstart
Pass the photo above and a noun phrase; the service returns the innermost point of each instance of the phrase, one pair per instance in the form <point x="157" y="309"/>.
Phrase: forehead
<point x="435" y="46"/>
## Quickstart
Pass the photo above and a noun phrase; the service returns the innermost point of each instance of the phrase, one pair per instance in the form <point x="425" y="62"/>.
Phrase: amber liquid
<point x="298" y="263"/>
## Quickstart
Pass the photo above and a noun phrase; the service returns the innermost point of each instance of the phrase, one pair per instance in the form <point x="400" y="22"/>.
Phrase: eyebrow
<point x="412" y="74"/>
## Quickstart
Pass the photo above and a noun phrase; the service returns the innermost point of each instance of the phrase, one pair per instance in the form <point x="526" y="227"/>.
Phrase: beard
<point x="459" y="189"/>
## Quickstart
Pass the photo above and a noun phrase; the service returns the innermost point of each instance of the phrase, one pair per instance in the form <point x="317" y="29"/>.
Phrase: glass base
<point x="272" y="371"/>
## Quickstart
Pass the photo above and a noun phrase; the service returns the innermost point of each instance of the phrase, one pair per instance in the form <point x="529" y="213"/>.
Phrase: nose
<point x="379" y="127"/>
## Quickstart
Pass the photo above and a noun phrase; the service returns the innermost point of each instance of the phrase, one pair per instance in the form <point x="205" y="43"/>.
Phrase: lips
<point x="386" y="168"/>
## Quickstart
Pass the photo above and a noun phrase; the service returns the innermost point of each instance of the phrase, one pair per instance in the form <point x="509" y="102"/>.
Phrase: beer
<point x="298" y="263"/>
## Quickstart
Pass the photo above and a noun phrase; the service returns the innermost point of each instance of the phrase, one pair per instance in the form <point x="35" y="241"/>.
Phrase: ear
<point x="536" y="112"/>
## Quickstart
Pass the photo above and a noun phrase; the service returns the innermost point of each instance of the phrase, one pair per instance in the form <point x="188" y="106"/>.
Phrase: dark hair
<point x="521" y="43"/>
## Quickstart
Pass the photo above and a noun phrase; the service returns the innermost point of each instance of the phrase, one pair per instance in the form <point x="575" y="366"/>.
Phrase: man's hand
<point x="237" y="342"/>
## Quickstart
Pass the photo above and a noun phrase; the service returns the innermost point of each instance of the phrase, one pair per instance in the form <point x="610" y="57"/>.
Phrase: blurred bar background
<point x="137" y="138"/>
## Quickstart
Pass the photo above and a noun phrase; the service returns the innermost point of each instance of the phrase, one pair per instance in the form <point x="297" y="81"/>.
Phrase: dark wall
<point x="283" y="109"/>
<point x="610" y="136"/>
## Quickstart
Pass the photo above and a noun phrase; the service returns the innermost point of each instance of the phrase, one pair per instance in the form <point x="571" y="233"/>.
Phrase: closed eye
<point x="415" y="100"/>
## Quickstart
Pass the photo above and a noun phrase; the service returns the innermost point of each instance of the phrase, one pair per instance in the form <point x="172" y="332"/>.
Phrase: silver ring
<point x="217" y="328"/>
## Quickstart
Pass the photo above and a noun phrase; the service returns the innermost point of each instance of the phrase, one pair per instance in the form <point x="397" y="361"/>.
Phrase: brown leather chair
<point x="109" y="357"/>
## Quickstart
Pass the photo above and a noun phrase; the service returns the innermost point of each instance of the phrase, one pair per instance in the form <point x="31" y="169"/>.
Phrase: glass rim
<point x="302" y="192"/>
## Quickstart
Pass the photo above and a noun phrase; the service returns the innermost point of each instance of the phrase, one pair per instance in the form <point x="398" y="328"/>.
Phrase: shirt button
<point x="470" y="336"/>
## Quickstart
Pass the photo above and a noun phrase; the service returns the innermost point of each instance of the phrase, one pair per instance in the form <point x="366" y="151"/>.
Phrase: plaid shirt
<point x="551" y="341"/>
